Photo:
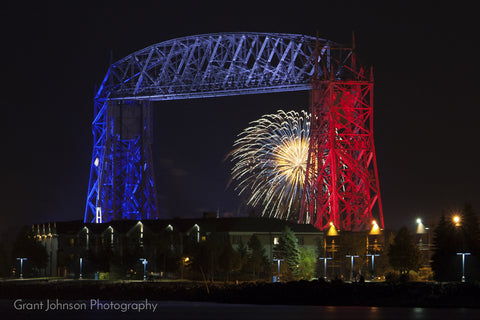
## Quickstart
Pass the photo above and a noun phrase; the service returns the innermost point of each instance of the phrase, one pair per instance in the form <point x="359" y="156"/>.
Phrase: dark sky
<point x="54" y="55"/>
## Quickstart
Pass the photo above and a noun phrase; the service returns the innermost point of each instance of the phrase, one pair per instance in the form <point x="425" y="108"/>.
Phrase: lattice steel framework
<point x="121" y="182"/>
<point x="341" y="177"/>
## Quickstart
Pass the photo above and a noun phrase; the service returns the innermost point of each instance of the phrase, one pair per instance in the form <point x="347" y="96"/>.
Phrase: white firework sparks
<point x="270" y="160"/>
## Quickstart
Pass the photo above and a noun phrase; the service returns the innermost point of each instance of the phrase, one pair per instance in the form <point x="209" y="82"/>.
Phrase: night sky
<point x="54" y="56"/>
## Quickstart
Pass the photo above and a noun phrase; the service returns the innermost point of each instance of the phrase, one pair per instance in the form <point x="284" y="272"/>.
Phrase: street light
<point x="81" y="260"/>
<point x="21" y="266"/>
<point x="373" y="264"/>
<point x="278" y="270"/>
<point x="375" y="228"/>
<point x="420" y="226"/>
<point x="325" y="266"/>
<point x="144" y="262"/>
<point x="463" y="254"/>
<point x="456" y="219"/>
<point x="351" y="267"/>
<point x="421" y="229"/>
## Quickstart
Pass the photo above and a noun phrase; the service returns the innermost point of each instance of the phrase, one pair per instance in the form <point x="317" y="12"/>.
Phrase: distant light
<point x="420" y="227"/>
<point x="456" y="220"/>
<point x="332" y="231"/>
<point x="375" y="228"/>
<point x="96" y="162"/>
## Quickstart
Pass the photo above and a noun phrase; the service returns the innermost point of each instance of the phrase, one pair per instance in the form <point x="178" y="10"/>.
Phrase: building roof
<point x="242" y="224"/>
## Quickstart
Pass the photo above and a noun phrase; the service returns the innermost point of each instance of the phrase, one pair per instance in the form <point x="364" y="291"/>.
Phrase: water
<point x="203" y="310"/>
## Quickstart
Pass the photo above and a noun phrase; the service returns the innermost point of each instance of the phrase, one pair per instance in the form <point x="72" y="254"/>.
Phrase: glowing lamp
<point x="332" y="231"/>
<point x="375" y="228"/>
<point x="456" y="220"/>
<point x="420" y="227"/>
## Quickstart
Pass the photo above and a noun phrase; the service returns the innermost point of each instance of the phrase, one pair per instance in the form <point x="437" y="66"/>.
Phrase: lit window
<point x="276" y="240"/>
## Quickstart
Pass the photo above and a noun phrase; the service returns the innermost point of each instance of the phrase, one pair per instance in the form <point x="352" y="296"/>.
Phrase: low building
<point x="158" y="241"/>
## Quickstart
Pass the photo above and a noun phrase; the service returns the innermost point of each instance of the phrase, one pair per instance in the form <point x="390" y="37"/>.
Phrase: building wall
<point x="66" y="243"/>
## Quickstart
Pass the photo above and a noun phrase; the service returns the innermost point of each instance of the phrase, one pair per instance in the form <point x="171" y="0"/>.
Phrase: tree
<point x="206" y="257"/>
<point x="403" y="254"/>
<point x="257" y="259"/>
<point x="382" y="265"/>
<point x="307" y="263"/>
<point x="287" y="249"/>
<point x="229" y="260"/>
<point x="443" y="258"/>
<point x="470" y="231"/>
<point x="243" y="252"/>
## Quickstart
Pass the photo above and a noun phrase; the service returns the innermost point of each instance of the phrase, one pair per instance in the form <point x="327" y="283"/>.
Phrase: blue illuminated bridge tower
<point x="122" y="184"/>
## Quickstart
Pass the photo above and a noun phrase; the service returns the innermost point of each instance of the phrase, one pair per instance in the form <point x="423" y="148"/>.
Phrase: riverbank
<point x="320" y="293"/>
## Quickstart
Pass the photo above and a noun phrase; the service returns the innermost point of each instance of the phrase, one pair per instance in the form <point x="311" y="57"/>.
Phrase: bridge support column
<point x="341" y="176"/>
<point x="121" y="177"/>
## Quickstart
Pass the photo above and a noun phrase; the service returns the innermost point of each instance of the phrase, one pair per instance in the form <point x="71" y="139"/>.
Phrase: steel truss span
<point x="121" y="184"/>
<point x="211" y="65"/>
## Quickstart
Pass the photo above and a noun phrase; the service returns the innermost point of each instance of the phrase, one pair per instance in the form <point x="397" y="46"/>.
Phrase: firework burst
<point x="270" y="159"/>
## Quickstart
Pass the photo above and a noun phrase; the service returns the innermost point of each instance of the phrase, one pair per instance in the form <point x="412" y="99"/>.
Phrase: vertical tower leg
<point x="342" y="180"/>
<point x="121" y="178"/>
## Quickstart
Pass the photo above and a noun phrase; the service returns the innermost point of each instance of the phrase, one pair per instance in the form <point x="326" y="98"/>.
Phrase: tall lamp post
<point x="421" y="229"/>
<point x="81" y="262"/>
<point x="351" y="265"/>
<point x="457" y="221"/>
<point x="21" y="266"/>
<point x="278" y="269"/>
<point x="325" y="266"/>
<point x="463" y="254"/>
<point x="373" y="264"/>
<point x="144" y="262"/>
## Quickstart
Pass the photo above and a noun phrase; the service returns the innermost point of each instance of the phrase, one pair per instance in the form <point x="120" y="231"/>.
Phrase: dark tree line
<point x="216" y="259"/>
<point x="26" y="246"/>
<point x="404" y="255"/>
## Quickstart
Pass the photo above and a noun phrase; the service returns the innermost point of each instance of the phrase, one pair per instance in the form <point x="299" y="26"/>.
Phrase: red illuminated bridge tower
<point x="341" y="184"/>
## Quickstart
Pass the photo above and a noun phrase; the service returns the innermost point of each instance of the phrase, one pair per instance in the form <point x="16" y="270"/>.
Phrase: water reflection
<point x="210" y="311"/>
